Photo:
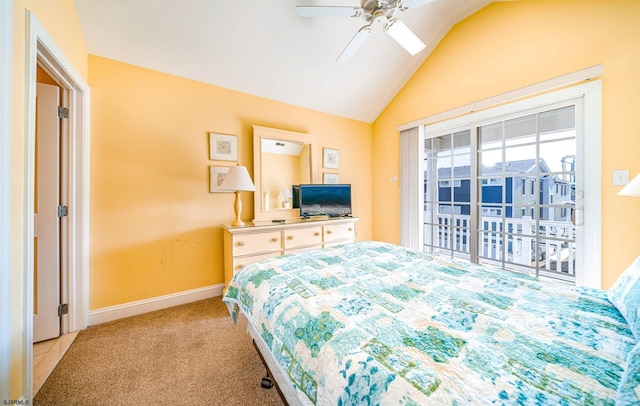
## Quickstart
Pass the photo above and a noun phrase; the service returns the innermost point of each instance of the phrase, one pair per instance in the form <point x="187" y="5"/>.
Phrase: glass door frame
<point x="578" y="172"/>
<point x="588" y="214"/>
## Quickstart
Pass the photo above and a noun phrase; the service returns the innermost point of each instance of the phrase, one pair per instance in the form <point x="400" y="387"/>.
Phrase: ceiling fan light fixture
<point x="404" y="36"/>
<point x="355" y="44"/>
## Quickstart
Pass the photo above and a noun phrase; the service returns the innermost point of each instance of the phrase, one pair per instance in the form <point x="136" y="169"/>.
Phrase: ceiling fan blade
<point x="327" y="11"/>
<point x="355" y="44"/>
<point x="414" y="3"/>
<point x="404" y="36"/>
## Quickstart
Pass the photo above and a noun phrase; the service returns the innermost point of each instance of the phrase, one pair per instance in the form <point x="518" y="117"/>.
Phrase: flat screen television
<point x="325" y="200"/>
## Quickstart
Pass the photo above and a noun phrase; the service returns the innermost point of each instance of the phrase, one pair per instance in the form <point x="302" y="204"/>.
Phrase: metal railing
<point x="511" y="242"/>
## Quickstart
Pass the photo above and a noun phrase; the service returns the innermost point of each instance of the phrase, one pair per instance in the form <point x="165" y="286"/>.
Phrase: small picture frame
<point x="331" y="158"/>
<point x="216" y="176"/>
<point x="223" y="147"/>
<point x="330" y="178"/>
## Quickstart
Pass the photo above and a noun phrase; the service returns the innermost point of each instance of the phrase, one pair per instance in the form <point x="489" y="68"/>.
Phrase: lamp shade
<point x="632" y="188"/>
<point x="237" y="179"/>
<point x="285" y="193"/>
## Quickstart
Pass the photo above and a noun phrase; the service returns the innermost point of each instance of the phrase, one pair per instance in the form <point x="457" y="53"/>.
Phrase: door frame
<point x="591" y="92"/>
<point x="42" y="50"/>
<point x="6" y="86"/>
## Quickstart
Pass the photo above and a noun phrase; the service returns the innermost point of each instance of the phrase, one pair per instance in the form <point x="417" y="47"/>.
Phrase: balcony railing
<point x="549" y="249"/>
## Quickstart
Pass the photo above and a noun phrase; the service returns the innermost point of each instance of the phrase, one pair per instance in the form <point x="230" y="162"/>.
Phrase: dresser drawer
<point x="241" y="262"/>
<point x="302" y="237"/>
<point x="257" y="243"/>
<point x="339" y="232"/>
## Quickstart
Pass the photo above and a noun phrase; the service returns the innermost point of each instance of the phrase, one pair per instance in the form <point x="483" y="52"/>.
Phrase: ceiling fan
<point x="372" y="11"/>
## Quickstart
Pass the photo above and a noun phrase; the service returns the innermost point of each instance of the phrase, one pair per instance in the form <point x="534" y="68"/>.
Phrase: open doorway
<point x="72" y="237"/>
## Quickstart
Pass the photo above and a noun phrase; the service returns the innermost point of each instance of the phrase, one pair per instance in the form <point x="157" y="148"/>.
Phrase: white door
<point x="46" y="322"/>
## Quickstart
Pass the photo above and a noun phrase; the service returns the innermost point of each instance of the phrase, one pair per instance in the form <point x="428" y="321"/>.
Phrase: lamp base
<point x="237" y="207"/>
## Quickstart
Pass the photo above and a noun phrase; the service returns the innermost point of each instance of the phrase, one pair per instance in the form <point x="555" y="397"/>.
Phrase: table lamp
<point x="285" y="195"/>
<point x="237" y="180"/>
<point x="632" y="188"/>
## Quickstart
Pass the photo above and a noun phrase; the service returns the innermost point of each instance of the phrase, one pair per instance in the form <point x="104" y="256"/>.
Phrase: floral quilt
<point x="371" y="323"/>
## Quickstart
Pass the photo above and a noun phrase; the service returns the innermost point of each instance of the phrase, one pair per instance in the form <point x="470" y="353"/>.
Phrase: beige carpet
<point x="186" y="355"/>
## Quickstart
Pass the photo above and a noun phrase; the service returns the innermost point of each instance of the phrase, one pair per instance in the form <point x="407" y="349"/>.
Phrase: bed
<point x="374" y="323"/>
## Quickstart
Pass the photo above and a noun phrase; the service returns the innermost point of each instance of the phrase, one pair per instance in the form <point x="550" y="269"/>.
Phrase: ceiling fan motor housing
<point x="377" y="8"/>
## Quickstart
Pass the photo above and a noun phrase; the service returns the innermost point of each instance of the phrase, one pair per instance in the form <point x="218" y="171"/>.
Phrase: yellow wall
<point x="59" y="19"/>
<point x="509" y="45"/>
<point x="155" y="228"/>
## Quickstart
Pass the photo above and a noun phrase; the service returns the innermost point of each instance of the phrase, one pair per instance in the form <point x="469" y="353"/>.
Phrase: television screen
<point x="325" y="200"/>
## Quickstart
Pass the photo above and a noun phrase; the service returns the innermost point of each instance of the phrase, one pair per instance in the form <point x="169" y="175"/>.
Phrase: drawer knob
<point x="239" y="266"/>
<point x="328" y="231"/>
<point x="350" y="229"/>
<point x="316" y="234"/>
<point x="290" y="237"/>
<point x="240" y="243"/>
<point x="274" y="239"/>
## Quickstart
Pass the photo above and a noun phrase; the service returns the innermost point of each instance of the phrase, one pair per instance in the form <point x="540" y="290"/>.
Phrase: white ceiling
<point x="261" y="47"/>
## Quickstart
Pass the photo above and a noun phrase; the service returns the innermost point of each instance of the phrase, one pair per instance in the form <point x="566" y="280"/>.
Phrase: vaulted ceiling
<point x="262" y="48"/>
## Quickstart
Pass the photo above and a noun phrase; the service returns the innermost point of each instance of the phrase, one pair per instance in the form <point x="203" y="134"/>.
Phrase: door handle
<point x="578" y="217"/>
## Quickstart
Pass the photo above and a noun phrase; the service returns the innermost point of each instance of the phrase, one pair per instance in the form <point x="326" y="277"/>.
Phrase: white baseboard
<point x="111" y="313"/>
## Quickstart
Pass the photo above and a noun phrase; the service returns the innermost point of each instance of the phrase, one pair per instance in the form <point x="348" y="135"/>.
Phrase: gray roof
<point x="522" y="166"/>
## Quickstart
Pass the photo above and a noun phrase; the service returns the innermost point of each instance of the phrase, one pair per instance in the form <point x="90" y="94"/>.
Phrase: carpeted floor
<point x="185" y="355"/>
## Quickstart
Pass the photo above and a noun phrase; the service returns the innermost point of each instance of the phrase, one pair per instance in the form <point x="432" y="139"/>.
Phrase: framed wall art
<point x="330" y="178"/>
<point x="330" y="158"/>
<point x="216" y="176"/>
<point x="223" y="147"/>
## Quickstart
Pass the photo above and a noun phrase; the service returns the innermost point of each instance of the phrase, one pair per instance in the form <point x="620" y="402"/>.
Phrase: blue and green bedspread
<point x="372" y="323"/>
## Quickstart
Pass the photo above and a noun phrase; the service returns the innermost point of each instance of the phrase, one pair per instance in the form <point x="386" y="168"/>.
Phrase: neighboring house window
<point x="447" y="183"/>
<point x="492" y="182"/>
<point x="491" y="211"/>
<point x="533" y="187"/>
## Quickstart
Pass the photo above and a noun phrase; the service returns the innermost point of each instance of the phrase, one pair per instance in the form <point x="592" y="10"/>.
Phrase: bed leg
<point x="267" y="383"/>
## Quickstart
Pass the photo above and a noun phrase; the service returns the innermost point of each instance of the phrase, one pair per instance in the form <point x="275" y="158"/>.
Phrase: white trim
<point x="527" y="91"/>
<point x="411" y="185"/>
<point x="121" y="311"/>
<point x="591" y="92"/>
<point x="6" y="56"/>
<point x="42" y="49"/>
<point x="592" y="174"/>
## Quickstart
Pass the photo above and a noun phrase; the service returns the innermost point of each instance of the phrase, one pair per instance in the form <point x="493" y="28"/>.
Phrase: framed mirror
<point x="281" y="159"/>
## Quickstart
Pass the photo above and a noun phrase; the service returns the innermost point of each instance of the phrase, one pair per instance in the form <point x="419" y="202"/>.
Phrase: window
<point x="533" y="187"/>
<point x="491" y="211"/>
<point x="492" y="182"/>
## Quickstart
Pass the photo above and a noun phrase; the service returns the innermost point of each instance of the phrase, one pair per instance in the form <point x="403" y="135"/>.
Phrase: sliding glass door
<point x="508" y="191"/>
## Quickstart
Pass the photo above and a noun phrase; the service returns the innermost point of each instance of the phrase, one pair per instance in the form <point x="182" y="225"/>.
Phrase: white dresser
<point x="253" y="242"/>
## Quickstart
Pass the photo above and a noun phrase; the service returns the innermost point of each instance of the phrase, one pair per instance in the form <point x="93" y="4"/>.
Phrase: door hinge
<point x="63" y="309"/>
<point x="63" y="211"/>
<point x="63" y="112"/>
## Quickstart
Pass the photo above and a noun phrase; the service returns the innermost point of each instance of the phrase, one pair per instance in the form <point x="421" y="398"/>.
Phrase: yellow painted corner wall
<point x="155" y="228"/>
<point x="60" y="20"/>
<point x="509" y="45"/>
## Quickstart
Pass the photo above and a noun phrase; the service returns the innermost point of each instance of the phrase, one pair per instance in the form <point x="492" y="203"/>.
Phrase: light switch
<point x="621" y="177"/>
